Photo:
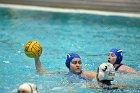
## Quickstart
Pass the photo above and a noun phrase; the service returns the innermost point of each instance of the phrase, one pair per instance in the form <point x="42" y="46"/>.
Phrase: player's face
<point x="76" y="65"/>
<point x="112" y="57"/>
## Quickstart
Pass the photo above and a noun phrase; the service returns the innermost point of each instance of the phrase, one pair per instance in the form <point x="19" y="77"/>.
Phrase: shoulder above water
<point x="125" y="68"/>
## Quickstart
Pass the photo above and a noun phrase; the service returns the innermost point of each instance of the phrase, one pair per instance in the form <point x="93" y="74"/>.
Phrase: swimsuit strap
<point x="116" y="69"/>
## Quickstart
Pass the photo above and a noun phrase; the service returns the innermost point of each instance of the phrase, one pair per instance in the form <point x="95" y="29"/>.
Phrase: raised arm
<point x="39" y="67"/>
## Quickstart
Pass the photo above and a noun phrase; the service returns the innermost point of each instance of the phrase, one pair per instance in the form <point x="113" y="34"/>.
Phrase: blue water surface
<point x="91" y="36"/>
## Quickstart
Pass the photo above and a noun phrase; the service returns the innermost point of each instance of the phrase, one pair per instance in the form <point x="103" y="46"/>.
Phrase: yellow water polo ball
<point x="32" y="49"/>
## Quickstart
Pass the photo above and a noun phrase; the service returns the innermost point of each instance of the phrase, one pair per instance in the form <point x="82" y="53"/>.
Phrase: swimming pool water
<point x="91" y="36"/>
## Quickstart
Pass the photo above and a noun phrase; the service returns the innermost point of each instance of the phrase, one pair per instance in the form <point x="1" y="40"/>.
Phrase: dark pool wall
<point x="107" y="5"/>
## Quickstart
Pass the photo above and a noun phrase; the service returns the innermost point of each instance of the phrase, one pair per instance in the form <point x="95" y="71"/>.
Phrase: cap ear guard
<point x="69" y="58"/>
<point x="68" y="64"/>
<point x="106" y="72"/>
<point x="119" y="55"/>
<point x="33" y="88"/>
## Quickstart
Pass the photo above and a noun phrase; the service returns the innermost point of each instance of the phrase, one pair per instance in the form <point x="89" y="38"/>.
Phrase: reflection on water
<point x="10" y="14"/>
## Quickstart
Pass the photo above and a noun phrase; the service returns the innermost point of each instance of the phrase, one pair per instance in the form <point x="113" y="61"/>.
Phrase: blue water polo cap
<point x="71" y="56"/>
<point x="118" y="53"/>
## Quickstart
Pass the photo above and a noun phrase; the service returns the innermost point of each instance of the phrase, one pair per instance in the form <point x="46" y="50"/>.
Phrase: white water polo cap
<point x="106" y="72"/>
<point x="31" y="88"/>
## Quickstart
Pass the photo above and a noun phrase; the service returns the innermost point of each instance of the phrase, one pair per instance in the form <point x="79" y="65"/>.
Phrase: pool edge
<point x="68" y="10"/>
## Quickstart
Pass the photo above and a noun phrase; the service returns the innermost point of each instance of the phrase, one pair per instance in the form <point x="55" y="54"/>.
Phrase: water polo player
<point x="115" y="57"/>
<point x="105" y="75"/>
<point x="74" y="64"/>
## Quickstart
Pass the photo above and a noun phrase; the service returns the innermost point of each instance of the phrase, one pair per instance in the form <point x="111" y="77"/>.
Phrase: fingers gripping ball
<point x="32" y="49"/>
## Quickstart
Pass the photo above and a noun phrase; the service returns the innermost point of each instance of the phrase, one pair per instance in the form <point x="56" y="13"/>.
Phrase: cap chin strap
<point x="77" y="73"/>
<point x="117" y="62"/>
<point x="31" y="88"/>
<point x="80" y="72"/>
